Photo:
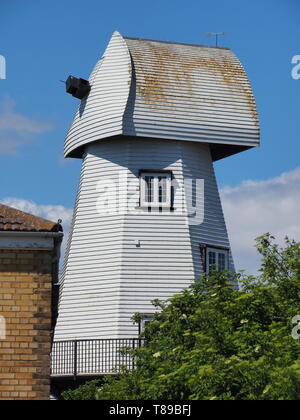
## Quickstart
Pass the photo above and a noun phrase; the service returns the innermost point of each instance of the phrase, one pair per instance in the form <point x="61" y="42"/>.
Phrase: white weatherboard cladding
<point x="107" y="276"/>
<point x="89" y="300"/>
<point x="197" y="164"/>
<point x="189" y="92"/>
<point x="101" y="113"/>
<point x="165" y="90"/>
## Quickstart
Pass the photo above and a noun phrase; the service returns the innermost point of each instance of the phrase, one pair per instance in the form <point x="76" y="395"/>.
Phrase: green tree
<point x="215" y="342"/>
<point x="84" y="392"/>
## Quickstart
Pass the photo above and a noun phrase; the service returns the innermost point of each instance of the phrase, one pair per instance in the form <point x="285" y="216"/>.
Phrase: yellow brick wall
<point x="25" y="303"/>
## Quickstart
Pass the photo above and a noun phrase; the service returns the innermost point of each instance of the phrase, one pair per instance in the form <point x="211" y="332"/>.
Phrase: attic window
<point x="155" y="189"/>
<point x="214" y="257"/>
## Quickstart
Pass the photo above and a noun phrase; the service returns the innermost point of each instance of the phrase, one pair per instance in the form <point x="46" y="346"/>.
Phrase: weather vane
<point x="216" y="34"/>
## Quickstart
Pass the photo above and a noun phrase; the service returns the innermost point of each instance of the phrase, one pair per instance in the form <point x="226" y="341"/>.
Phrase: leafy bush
<point x="214" y="342"/>
<point x="84" y="392"/>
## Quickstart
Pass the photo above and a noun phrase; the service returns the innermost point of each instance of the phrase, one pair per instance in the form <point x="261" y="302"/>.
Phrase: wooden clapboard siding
<point x="164" y="90"/>
<point x="159" y="106"/>
<point x="89" y="302"/>
<point x="107" y="277"/>
<point x="190" y="92"/>
<point x="197" y="164"/>
<point x="100" y="115"/>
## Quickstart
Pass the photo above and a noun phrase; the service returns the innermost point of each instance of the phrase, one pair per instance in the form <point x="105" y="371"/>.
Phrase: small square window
<point x="214" y="256"/>
<point x="155" y="189"/>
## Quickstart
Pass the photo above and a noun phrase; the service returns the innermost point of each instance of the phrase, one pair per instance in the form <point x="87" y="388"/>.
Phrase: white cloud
<point x="257" y="207"/>
<point x="50" y="212"/>
<point x="17" y="129"/>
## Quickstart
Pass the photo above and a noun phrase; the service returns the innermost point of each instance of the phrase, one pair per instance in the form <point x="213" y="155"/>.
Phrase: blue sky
<point x="43" y="42"/>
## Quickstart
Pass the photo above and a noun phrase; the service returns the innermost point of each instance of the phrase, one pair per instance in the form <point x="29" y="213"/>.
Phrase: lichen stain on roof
<point x="166" y="90"/>
<point x="165" y="70"/>
<point x="15" y="220"/>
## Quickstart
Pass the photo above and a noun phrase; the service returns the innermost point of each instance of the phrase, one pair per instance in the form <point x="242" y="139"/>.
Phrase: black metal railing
<point x="92" y="357"/>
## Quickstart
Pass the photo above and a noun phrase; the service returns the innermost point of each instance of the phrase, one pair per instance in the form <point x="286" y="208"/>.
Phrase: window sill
<point x="155" y="208"/>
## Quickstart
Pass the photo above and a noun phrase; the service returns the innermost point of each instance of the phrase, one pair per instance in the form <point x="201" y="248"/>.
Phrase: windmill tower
<point x="148" y="220"/>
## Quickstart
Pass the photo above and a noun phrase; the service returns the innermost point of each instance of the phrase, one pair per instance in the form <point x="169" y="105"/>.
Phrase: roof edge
<point x="25" y="234"/>
<point x="178" y="43"/>
<point x="15" y="220"/>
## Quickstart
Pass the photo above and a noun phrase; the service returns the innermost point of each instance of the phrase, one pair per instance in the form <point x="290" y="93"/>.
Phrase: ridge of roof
<point x="177" y="43"/>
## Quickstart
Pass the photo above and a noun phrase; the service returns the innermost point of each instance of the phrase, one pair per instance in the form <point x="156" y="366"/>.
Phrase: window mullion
<point x="155" y="191"/>
<point x="168" y="190"/>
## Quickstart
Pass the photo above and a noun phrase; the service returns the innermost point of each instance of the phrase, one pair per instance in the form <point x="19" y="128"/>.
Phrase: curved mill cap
<point x="165" y="90"/>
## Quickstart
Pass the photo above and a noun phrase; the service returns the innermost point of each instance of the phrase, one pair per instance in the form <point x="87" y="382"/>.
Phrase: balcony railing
<point x="92" y="357"/>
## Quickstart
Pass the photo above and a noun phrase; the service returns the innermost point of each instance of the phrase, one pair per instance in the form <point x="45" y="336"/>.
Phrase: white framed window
<point x="218" y="258"/>
<point x="155" y="189"/>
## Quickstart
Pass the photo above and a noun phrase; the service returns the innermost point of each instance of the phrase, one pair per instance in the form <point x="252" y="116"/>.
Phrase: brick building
<point x="29" y="258"/>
